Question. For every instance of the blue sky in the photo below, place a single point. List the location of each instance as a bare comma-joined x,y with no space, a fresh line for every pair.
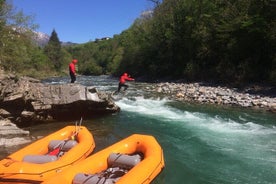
80,21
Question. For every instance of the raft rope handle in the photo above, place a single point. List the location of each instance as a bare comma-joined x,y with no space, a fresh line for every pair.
11,161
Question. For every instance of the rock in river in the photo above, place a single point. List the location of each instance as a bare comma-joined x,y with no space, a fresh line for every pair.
26,100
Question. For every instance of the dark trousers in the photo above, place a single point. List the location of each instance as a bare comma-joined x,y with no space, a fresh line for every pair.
73,77
122,85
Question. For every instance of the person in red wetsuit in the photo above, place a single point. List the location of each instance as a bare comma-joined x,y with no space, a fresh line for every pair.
123,80
72,70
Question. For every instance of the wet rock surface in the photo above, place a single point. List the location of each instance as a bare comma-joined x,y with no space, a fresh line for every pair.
24,100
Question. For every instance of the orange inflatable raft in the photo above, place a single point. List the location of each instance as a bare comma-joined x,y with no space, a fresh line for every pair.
136,159
47,156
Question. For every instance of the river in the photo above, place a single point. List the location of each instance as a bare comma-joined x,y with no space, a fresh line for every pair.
201,143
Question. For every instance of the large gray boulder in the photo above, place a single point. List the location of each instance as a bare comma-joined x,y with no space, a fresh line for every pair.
26,100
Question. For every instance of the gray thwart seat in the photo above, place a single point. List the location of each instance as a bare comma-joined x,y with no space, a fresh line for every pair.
119,164
40,159
64,145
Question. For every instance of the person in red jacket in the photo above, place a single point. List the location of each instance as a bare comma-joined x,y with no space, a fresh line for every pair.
125,77
72,70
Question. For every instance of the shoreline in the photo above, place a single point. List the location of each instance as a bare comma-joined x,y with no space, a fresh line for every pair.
254,97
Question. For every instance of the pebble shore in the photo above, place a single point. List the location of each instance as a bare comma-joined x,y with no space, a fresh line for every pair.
200,93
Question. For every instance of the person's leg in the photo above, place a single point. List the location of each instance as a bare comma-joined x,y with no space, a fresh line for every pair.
119,87
73,77
125,86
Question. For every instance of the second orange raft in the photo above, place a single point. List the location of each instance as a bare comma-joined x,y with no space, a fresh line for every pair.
137,159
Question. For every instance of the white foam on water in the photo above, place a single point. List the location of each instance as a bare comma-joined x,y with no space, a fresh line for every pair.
219,124
223,134
158,108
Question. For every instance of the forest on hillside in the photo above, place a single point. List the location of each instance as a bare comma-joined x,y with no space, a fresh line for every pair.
231,41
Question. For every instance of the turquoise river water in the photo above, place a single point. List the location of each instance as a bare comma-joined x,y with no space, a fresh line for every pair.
201,143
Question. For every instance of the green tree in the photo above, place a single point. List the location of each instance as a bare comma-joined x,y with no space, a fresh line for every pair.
210,40
53,51
229,41
15,38
2,10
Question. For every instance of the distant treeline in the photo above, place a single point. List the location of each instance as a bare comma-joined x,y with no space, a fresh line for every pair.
222,41
196,40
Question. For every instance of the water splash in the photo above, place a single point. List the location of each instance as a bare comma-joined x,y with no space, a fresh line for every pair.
159,108
244,139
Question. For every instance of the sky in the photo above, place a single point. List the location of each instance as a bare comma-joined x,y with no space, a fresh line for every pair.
81,21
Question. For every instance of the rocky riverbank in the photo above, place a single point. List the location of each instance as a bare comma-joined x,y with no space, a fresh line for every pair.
201,93
26,100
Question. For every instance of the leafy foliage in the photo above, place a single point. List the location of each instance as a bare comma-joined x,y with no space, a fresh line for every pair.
18,53
53,51
95,58
211,40
223,41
